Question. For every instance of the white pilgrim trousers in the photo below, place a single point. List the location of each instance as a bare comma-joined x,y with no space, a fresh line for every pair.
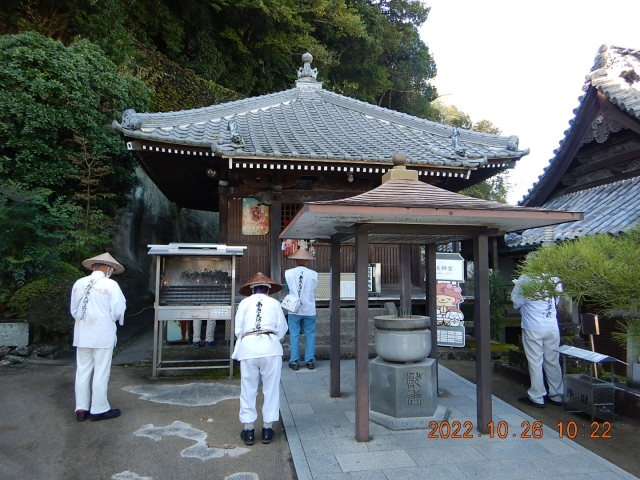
251,370
538,347
197,329
90,396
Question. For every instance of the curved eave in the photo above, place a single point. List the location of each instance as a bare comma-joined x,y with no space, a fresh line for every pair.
320,220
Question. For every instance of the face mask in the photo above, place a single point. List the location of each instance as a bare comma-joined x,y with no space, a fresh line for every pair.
109,272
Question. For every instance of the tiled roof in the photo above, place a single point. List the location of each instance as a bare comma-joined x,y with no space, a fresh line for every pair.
308,122
615,74
611,208
415,194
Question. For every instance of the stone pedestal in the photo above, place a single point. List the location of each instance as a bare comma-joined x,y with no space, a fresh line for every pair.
404,396
14,334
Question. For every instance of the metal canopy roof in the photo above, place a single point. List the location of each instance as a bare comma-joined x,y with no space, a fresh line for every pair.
410,211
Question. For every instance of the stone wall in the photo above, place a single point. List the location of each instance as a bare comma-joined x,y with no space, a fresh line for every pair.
152,219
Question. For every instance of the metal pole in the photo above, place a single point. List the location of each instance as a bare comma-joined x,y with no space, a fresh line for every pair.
156,304
405,279
232,333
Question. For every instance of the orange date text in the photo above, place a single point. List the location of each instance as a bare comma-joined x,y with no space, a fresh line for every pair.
527,430
575,429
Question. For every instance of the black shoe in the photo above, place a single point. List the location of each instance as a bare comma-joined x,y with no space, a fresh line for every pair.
555,402
196,345
528,401
267,435
82,415
294,365
247,436
108,415
311,365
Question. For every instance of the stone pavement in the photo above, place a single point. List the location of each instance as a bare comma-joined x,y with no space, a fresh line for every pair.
321,430
187,427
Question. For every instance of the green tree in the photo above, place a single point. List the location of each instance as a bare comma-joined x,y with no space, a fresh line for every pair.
51,92
390,65
596,270
494,189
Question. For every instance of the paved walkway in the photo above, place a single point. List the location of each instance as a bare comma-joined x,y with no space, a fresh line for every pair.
321,435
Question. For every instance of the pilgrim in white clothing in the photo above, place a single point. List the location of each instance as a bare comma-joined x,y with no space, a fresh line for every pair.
302,283
97,303
259,327
540,336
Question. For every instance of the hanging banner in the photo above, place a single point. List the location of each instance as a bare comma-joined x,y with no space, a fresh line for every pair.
255,218
450,319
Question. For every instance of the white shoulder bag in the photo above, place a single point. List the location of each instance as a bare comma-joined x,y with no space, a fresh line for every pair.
292,303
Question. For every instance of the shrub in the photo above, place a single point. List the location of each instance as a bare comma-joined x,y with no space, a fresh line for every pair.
44,303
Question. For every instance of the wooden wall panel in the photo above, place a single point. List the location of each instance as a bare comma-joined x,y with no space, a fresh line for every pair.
387,255
257,255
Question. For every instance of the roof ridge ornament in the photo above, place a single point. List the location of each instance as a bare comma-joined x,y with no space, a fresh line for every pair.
130,119
458,149
512,144
235,142
306,70
307,81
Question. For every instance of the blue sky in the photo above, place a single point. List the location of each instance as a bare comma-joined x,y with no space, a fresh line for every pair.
521,64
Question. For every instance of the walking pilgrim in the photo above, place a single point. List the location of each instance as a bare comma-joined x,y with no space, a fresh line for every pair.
97,303
260,325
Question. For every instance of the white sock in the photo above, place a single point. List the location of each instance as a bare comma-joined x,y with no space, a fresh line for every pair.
267,425
248,426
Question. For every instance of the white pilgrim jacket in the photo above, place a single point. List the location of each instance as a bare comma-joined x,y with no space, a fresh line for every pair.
105,306
537,315
307,285
259,312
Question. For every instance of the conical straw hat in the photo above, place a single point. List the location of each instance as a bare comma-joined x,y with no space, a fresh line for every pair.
104,259
301,254
260,279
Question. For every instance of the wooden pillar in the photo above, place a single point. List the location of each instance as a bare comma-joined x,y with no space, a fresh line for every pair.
405,278
275,222
481,328
494,254
223,215
431,300
362,335
334,325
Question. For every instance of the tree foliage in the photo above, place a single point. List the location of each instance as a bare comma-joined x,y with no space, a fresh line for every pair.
49,93
367,49
389,65
596,269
